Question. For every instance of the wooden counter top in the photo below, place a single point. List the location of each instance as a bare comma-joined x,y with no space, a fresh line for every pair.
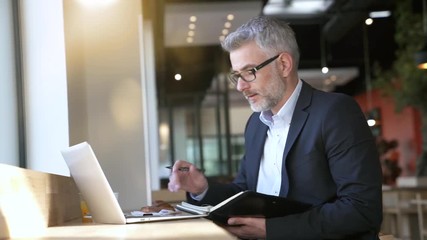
190,229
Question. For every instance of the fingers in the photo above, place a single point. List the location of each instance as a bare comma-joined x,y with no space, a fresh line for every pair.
185,176
181,165
176,179
174,183
247,228
236,221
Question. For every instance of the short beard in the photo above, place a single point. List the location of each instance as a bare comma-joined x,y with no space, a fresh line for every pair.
274,92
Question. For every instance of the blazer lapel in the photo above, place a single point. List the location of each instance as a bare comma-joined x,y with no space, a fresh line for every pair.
297,123
254,153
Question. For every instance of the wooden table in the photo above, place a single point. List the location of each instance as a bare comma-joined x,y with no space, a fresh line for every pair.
190,229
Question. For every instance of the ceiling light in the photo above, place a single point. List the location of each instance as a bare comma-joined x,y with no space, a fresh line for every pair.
178,77
96,3
380,14
323,60
227,26
371,122
369,21
276,7
310,6
191,33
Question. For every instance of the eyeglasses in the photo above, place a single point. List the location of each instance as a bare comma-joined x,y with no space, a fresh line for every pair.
249,75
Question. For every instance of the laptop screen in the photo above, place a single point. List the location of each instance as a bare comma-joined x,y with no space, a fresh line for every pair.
92,184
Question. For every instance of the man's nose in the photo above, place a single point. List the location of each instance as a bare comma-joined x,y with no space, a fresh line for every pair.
242,85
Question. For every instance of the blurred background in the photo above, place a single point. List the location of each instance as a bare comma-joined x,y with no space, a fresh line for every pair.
144,81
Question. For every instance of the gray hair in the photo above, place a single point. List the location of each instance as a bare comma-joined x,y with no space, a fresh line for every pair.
272,35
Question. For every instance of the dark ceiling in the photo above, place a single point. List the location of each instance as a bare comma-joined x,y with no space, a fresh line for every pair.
342,26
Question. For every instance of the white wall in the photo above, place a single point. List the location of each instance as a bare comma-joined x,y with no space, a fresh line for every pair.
106,102
149,101
45,85
8,107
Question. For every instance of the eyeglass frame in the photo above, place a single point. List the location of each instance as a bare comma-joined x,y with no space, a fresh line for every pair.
234,77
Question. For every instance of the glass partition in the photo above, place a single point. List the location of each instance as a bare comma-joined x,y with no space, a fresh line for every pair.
196,128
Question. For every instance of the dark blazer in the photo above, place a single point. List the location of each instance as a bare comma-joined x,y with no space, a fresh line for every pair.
330,160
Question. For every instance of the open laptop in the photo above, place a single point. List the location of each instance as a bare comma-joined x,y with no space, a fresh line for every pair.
97,192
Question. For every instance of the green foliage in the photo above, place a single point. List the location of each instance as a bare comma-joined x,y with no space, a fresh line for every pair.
404,81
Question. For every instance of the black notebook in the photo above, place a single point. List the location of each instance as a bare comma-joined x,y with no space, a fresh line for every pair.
247,204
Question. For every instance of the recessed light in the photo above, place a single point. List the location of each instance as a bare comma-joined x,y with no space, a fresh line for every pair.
369,21
227,24
192,26
178,77
325,70
191,33
193,19
221,38
224,31
230,17
190,39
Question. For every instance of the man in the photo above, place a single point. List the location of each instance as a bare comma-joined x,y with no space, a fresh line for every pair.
300,143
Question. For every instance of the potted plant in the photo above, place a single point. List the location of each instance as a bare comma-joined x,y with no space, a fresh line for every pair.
404,81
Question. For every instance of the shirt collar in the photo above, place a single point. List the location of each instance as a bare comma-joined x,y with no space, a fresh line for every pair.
285,113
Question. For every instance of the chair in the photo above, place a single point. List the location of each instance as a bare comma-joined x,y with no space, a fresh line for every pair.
421,209
398,211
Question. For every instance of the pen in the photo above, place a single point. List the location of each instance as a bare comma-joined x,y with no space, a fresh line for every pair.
182,169
185,169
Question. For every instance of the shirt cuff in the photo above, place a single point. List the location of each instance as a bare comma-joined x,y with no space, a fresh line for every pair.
200,196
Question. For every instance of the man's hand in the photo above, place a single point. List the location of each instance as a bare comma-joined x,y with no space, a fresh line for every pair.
185,176
247,228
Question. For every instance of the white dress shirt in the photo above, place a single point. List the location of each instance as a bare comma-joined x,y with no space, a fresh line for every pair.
270,171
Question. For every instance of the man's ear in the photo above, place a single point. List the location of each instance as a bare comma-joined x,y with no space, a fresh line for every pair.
286,64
